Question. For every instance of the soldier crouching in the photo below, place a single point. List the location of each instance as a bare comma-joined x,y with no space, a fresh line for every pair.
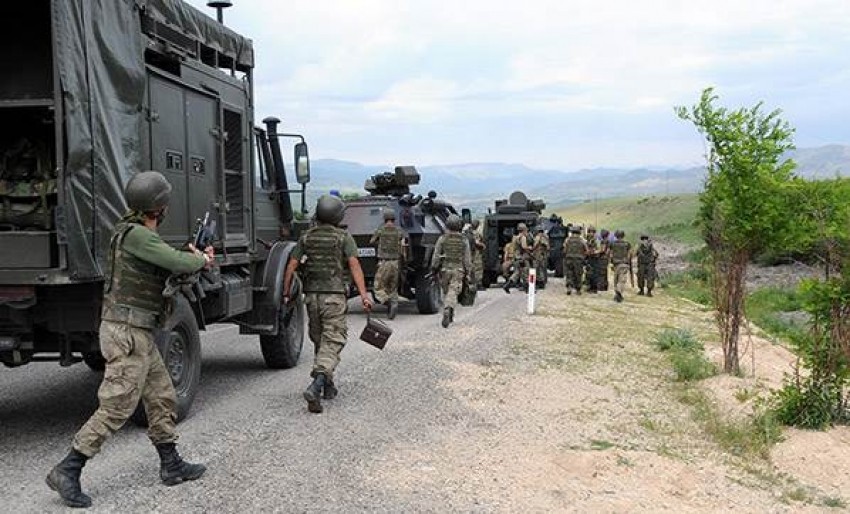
323,253
133,306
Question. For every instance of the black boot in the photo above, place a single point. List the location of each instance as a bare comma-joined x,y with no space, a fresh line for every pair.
447,317
64,478
649,293
507,286
393,309
640,292
313,394
618,296
330,391
173,469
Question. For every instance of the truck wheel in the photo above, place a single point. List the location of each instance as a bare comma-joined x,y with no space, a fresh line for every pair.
429,295
179,343
282,351
95,361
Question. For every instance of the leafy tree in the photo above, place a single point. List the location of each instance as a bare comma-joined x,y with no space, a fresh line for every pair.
743,208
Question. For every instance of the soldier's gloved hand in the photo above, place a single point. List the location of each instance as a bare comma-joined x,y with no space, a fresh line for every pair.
367,303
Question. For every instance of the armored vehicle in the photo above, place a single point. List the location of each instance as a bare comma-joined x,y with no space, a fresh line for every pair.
100,91
423,219
500,227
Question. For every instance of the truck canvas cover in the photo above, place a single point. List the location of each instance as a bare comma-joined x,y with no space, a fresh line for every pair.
99,47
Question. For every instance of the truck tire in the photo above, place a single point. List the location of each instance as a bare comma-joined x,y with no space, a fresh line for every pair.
281,351
429,295
179,343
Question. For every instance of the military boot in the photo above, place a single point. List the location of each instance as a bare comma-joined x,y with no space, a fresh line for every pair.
649,293
640,292
313,394
448,314
507,286
64,478
618,297
393,309
330,391
173,469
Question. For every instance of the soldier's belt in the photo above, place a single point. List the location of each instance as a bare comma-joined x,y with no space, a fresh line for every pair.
132,316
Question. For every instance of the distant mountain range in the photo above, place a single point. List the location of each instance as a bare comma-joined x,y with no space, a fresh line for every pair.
478,185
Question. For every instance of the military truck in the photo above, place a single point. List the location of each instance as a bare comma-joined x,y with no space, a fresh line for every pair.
101,91
423,219
501,225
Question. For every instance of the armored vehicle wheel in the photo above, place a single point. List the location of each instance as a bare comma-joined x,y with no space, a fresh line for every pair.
179,344
429,295
95,361
282,351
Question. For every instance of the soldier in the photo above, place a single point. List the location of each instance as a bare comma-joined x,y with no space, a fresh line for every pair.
646,257
591,262
541,255
523,245
508,260
391,247
133,306
452,260
324,253
478,255
574,252
621,260
602,260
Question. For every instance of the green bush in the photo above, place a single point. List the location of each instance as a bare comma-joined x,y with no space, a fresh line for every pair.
686,354
805,405
677,338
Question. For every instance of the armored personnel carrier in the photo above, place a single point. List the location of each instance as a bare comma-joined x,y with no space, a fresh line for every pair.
500,226
101,91
423,219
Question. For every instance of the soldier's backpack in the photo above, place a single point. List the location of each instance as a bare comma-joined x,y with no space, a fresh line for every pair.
27,186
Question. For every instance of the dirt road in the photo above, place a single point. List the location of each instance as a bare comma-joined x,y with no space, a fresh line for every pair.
569,411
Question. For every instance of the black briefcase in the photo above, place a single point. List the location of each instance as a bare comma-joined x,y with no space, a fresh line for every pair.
376,333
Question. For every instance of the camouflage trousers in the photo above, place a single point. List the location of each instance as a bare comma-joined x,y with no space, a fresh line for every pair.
621,276
478,268
328,329
573,269
134,371
386,281
591,273
602,273
646,276
540,264
520,274
452,282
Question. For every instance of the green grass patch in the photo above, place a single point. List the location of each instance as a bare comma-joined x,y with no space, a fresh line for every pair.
765,306
686,354
598,444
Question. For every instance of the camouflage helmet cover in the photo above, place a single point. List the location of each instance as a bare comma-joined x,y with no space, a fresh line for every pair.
147,191
389,214
330,209
454,222
521,227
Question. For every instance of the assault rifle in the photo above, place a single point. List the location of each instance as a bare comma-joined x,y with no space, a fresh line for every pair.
204,233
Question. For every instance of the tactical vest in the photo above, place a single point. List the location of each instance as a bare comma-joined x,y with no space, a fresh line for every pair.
574,247
645,252
542,246
389,243
132,283
322,267
620,251
453,250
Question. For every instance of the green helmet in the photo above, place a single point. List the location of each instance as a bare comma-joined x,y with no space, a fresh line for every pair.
453,222
389,214
147,191
330,209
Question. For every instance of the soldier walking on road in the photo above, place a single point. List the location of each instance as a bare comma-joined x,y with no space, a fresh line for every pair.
391,248
478,255
133,306
621,259
508,261
323,253
646,258
452,259
523,244
541,256
574,252
591,261
602,260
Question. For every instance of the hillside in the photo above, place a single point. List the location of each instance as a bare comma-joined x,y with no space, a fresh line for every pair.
661,216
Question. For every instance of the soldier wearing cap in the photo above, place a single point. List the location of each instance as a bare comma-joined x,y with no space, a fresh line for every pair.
323,254
574,252
452,259
391,245
523,245
621,260
602,260
647,255
133,306
591,260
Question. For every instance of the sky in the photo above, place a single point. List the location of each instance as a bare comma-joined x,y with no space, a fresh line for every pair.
555,84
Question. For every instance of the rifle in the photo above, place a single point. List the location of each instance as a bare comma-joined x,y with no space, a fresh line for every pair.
204,233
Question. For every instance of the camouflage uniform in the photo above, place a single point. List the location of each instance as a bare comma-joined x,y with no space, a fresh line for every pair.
323,252
602,262
140,262
591,262
478,258
541,256
646,273
523,245
574,251
507,259
390,240
621,259
452,258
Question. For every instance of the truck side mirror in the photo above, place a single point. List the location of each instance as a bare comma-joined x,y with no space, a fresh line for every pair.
466,215
302,163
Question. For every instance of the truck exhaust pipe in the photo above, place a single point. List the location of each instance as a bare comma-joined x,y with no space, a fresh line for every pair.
281,184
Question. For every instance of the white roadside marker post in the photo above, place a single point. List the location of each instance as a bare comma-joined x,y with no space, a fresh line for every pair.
532,279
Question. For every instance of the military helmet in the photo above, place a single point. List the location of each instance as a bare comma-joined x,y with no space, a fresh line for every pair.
591,228
389,214
619,234
147,191
453,222
521,227
330,209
